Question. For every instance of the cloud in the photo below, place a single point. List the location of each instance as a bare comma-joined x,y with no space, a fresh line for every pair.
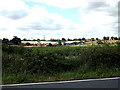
40,19
97,5
97,18
14,14
13,9
108,7
110,10
40,26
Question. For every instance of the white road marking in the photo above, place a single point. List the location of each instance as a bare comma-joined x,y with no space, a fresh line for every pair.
60,82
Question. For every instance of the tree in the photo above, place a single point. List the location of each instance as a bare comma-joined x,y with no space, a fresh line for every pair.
5,40
99,41
24,39
59,42
75,39
69,39
104,38
96,38
50,44
79,39
112,38
83,38
75,43
115,38
53,40
38,40
63,39
34,40
28,44
16,40
107,38
92,39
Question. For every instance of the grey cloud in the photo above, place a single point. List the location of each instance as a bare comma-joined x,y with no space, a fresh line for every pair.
113,26
96,5
14,14
113,12
102,7
40,26
23,28
46,24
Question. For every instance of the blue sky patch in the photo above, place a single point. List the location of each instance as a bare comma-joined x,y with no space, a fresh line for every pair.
72,14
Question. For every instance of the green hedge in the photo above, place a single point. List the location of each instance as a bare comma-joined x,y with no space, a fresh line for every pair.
49,60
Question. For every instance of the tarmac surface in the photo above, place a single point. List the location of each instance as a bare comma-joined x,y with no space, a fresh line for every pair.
89,83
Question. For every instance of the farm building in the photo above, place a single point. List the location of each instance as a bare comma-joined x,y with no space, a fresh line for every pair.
74,43
49,43
43,43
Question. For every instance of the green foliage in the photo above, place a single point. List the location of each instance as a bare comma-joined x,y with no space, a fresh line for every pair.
80,73
16,40
104,38
99,41
92,39
59,42
63,39
83,38
99,57
27,43
5,41
112,38
53,60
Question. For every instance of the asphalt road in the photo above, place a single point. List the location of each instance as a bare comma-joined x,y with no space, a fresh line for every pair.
90,83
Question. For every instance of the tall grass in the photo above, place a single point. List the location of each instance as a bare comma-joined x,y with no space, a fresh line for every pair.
52,61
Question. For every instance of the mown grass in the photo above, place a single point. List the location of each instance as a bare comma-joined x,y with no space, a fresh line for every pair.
25,65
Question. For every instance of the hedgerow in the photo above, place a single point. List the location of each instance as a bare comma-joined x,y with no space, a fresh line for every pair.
49,60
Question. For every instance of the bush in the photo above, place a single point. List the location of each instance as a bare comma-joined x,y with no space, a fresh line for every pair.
101,57
51,60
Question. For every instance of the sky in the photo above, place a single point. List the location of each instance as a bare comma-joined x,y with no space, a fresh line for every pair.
58,19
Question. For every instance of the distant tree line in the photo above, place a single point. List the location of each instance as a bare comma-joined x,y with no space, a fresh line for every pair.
112,38
17,41
14,41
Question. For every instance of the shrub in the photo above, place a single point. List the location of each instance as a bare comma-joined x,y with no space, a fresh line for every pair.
51,60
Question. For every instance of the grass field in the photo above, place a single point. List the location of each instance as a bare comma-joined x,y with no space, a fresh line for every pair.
36,64
107,41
